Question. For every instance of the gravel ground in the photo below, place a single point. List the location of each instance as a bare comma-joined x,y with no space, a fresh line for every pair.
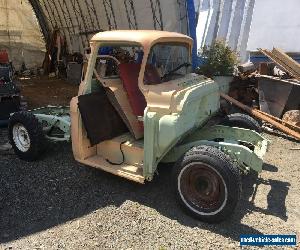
57,203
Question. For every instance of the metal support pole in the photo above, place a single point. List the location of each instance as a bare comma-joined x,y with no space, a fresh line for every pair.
157,14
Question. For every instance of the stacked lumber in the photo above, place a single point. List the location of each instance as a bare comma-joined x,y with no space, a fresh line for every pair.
284,61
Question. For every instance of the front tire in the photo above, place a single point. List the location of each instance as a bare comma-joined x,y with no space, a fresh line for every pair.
207,184
26,136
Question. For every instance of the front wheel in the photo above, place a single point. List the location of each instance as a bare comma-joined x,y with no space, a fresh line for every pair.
207,184
26,136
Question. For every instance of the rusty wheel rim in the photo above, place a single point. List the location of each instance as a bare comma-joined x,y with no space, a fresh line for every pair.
202,188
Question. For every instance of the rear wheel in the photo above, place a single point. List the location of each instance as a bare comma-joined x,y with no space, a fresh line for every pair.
242,121
26,136
207,184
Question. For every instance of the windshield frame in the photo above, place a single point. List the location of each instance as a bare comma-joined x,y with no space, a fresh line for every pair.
95,46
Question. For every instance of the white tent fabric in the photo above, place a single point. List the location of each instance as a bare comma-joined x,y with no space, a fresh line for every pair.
20,34
78,20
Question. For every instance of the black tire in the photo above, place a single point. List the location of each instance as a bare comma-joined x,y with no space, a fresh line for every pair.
241,121
207,184
32,131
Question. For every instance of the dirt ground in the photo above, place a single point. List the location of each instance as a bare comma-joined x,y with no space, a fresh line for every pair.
43,91
56,203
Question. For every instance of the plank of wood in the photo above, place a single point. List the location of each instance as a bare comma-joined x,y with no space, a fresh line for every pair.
287,60
283,61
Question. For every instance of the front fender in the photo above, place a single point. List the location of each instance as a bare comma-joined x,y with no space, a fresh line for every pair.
232,141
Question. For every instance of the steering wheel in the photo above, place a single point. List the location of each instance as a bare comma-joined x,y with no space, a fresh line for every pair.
105,57
110,57
186,64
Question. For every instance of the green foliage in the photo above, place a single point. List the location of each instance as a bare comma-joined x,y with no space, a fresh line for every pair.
220,60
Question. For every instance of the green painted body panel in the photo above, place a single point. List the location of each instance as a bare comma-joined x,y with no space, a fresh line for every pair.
168,135
162,130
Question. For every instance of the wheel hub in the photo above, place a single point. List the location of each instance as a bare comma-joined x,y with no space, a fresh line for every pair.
202,187
21,137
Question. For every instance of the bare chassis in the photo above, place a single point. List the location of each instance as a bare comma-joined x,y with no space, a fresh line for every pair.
53,119
58,117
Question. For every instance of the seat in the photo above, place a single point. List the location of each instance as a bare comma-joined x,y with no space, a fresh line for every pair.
129,73
151,76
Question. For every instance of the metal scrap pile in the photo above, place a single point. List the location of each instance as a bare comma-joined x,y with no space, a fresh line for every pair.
270,91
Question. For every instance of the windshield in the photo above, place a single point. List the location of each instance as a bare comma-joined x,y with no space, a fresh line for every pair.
171,61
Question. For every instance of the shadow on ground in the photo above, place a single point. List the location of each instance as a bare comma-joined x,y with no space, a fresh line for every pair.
40,195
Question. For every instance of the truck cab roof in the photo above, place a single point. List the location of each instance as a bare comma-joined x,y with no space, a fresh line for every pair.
142,37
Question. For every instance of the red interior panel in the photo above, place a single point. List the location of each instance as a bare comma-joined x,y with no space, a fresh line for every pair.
129,73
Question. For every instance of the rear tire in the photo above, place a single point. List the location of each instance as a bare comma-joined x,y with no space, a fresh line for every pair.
207,184
241,121
26,136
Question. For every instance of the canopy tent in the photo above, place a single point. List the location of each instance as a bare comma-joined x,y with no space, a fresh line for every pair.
20,34
79,20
